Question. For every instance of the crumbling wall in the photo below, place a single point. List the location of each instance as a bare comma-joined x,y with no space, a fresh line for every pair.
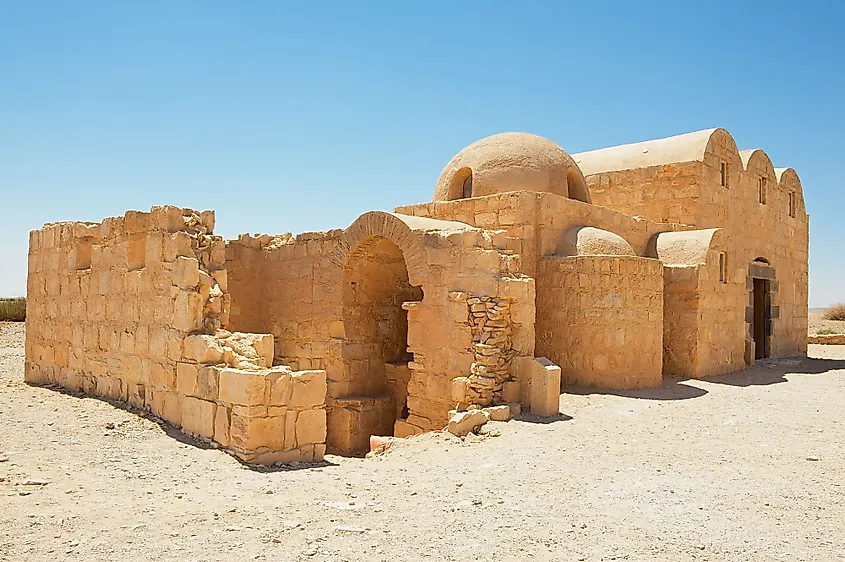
115,310
294,293
601,320
338,300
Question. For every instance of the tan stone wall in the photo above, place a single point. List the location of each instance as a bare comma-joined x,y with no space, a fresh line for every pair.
681,309
319,321
294,293
131,310
668,193
243,265
691,193
600,319
534,222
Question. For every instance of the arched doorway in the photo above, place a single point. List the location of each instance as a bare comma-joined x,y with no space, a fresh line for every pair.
375,348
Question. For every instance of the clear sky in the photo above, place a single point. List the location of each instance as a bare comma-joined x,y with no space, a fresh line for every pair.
300,116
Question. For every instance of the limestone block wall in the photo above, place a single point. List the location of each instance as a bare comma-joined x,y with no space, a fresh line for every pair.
666,193
755,225
383,307
131,309
681,310
534,222
600,319
289,287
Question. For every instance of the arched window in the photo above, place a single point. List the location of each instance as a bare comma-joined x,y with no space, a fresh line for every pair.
576,187
467,186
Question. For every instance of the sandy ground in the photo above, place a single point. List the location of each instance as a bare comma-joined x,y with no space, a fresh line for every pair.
749,466
816,322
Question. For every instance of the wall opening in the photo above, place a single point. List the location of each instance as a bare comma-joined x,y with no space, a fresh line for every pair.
576,186
375,348
461,185
723,267
467,186
761,319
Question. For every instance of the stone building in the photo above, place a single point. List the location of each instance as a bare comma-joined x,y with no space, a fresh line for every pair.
530,271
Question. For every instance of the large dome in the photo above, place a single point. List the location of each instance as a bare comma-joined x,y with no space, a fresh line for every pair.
511,162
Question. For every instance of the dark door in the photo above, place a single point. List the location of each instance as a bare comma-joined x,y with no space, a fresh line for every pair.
760,347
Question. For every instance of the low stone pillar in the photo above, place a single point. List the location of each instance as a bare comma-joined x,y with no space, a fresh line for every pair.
545,387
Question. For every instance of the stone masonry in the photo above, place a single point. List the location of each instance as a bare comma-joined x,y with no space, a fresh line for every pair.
530,272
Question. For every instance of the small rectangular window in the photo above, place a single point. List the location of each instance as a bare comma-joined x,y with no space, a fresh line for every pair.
791,203
761,188
723,267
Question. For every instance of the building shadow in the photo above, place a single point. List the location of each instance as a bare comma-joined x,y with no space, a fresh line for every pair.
175,433
531,418
672,389
774,371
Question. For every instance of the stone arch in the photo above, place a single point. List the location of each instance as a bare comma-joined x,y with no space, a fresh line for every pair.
393,227
460,181
381,257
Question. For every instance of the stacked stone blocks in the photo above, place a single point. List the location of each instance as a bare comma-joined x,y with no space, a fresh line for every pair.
132,310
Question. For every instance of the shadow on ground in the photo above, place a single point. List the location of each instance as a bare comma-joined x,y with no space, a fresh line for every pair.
774,371
672,389
530,418
765,372
176,434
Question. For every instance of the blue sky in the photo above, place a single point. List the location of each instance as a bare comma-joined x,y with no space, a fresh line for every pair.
300,116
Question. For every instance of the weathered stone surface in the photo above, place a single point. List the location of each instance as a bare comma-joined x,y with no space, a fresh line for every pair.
311,427
498,413
463,422
693,263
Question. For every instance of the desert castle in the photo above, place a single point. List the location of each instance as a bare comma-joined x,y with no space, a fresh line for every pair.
530,271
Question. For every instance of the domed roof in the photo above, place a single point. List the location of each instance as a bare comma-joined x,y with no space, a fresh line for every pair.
511,162
589,241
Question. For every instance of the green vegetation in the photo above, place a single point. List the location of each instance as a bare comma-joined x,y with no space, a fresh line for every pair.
835,312
827,332
13,310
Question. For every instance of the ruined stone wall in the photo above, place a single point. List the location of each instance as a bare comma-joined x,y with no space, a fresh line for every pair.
453,265
131,309
321,292
296,295
244,262
601,320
